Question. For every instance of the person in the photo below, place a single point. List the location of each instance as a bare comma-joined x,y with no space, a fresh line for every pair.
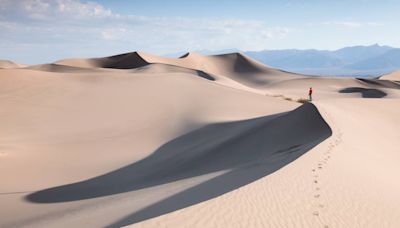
310,92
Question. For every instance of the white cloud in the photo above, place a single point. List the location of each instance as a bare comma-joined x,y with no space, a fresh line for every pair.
374,24
350,24
49,9
90,27
113,33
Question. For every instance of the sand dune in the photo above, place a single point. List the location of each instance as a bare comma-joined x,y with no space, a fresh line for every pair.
5,64
188,156
394,76
345,181
119,118
235,66
196,141
229,67
122,61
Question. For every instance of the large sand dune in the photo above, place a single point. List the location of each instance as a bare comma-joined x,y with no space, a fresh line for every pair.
197,141
235,66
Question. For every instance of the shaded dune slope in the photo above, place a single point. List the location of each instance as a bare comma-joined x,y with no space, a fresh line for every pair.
123,61
246,150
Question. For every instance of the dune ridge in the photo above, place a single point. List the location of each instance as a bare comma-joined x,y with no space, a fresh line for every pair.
235,66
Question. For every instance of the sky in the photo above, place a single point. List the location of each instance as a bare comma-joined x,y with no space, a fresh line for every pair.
40,31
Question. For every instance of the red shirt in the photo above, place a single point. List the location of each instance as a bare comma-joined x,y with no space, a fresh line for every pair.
310,92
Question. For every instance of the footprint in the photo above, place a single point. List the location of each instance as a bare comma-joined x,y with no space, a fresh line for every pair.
316,213
315,181
317,196
321,205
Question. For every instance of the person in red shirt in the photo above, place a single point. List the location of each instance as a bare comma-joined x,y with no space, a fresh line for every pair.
310,92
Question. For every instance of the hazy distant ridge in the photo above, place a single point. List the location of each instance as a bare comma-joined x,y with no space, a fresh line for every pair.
359,60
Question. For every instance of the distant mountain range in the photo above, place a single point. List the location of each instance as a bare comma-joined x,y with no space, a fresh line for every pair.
371,60
365,61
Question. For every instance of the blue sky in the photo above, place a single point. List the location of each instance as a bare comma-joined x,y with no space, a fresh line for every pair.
37,31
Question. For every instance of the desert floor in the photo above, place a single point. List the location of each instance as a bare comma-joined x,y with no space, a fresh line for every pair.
196,141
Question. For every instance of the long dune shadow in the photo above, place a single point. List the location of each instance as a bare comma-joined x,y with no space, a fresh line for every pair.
365,92
215,187
247,150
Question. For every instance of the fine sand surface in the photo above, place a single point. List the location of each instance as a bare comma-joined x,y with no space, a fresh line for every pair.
198,141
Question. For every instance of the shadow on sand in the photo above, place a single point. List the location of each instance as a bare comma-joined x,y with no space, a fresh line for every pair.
365,92
247,150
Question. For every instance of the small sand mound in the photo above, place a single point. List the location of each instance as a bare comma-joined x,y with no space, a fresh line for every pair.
6,64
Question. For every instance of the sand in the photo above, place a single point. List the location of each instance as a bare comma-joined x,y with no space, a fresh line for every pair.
394,76
198,141
6,64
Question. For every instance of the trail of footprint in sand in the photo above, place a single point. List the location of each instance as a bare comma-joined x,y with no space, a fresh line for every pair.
326,156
